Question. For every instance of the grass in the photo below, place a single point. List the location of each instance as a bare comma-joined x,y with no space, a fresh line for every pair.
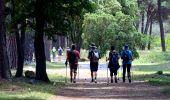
21,89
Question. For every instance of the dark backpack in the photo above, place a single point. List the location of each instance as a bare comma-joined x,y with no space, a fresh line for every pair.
72,57
115,58
125,56
95,56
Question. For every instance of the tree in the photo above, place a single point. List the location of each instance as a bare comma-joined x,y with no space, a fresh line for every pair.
107,28
161,26
4,63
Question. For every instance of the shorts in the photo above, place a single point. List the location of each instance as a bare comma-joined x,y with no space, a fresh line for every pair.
94,66
74,66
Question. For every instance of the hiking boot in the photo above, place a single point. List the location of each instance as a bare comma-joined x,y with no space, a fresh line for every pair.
111,81
95,81
129,80
74,81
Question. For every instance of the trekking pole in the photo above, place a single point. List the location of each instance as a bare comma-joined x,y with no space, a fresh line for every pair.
107,72
66,72
78,72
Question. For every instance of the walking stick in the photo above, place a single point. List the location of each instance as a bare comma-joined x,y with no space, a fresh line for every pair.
107,72
66,72
78,72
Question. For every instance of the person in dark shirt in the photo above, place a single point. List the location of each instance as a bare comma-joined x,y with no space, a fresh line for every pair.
94,57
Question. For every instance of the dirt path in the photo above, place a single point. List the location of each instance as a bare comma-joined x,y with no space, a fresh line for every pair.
84,90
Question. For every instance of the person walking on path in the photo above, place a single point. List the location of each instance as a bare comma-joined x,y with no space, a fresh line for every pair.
72,57
113,63
126,56
94,57
54,53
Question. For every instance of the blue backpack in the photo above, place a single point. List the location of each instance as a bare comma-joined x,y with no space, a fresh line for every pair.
115,58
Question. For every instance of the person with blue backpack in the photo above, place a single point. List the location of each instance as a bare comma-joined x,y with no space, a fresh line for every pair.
126,56
94,57
113,63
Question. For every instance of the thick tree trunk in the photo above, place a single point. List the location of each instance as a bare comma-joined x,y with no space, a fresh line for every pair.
48,46
20,50
5,71
39,42
161,26
12,50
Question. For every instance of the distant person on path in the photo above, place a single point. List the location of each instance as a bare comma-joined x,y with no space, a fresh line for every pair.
113,63
60,51
94,57
126,56
54,53
72,57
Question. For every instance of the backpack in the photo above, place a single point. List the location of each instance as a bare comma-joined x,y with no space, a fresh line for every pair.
115,58
125,56
72,57
95,56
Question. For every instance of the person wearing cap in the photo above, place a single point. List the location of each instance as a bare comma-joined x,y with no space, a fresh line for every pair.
94,57
126,57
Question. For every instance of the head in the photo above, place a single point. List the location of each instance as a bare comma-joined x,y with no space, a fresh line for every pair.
93,46
112,47
126,47
73,46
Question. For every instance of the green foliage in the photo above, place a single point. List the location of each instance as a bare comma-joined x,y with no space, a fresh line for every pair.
113,24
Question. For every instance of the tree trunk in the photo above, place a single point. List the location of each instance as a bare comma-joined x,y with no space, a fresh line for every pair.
142,23
5,71
161,26
150,33
48,46
20,50
39,42
12,50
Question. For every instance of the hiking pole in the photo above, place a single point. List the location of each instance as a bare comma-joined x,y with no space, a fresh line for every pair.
78,72
66,72
107,72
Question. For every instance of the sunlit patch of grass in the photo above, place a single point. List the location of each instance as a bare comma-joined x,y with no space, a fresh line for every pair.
20,89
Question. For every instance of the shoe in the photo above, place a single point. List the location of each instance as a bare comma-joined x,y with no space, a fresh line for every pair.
129,80
92,81
95,81
111,80
74,81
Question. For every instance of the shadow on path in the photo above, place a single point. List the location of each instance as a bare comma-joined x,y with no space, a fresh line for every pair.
84,90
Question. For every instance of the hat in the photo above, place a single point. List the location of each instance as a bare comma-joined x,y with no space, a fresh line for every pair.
92,45
126,46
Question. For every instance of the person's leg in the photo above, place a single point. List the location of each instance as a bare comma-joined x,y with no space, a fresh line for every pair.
91,70
129,72
115,75
111,75
95,71
75,72
124,72
71,73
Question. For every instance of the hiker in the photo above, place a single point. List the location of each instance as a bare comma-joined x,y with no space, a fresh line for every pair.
113,63
126,56
54,53
94,57
60,51
72,57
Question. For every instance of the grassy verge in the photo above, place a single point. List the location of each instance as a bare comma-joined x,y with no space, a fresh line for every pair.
21,89
149,73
